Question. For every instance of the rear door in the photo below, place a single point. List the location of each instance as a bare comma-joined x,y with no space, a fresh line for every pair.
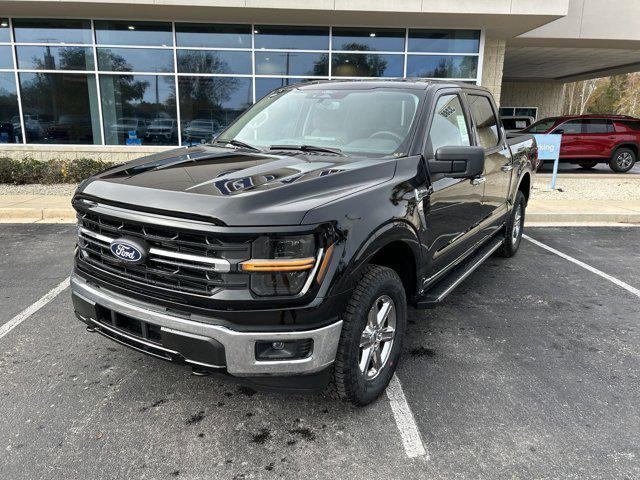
454,207
598,137
498,161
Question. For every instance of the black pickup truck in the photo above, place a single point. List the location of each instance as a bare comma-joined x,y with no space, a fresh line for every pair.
286,252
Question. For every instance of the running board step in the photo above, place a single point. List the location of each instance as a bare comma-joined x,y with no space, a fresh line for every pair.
444,287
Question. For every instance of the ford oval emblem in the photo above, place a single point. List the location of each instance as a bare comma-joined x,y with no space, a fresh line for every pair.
128,250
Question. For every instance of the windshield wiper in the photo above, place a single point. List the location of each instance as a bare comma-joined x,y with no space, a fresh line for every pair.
238,143
307,148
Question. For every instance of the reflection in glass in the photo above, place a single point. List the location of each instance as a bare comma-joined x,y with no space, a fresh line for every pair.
444,41
135,60
442,66
60,108
266,85
214,61
209,104
122,32
133,107
380,39
292,63
213,36
54,58
366,65
5,34
52,31
10,128
6,57
288,38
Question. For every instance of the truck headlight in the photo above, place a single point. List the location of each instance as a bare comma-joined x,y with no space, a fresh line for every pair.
281,265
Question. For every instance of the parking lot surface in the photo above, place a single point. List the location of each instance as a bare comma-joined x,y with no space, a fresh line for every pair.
528,370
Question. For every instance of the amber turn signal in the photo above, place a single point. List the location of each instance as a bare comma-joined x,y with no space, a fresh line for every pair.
283,265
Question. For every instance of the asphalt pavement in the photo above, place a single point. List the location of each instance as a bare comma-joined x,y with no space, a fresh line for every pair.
528,370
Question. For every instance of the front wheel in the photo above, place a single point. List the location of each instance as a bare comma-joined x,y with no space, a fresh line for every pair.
373,327
514,227
622,160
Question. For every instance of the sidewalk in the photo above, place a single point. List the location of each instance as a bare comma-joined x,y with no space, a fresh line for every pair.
540,212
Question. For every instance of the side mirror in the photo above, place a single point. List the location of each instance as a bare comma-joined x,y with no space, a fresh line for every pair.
558,131
458,162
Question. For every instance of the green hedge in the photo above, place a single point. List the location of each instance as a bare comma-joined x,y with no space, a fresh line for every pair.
30,170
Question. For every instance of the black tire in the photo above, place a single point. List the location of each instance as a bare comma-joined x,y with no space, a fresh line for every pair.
588,165
622,160
349,383
513,237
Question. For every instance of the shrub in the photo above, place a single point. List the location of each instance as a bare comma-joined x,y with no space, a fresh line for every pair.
29,170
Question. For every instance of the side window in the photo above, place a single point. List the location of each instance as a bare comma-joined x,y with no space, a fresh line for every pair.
597,125
574,127
449,127
485,121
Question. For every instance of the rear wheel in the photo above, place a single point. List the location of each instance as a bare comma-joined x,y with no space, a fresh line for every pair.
373,327
588,165
514,227
622,160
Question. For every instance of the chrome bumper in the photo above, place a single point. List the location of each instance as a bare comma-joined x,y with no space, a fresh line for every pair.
239,346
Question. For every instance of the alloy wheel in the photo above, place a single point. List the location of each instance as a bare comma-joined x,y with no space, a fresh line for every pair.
377,337
624,160
517,225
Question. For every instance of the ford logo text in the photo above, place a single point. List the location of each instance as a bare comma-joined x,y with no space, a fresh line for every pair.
127,251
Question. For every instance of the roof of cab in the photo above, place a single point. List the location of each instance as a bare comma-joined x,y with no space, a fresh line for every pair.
409,83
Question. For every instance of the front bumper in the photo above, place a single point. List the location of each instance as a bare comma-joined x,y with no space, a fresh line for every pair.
202,345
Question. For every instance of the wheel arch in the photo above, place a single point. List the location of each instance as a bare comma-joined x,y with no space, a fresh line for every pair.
630,145
394,245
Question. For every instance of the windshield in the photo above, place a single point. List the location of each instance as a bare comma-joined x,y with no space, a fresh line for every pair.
127,121
542,126
373,122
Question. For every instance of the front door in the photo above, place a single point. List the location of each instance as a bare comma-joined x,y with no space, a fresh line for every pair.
454,205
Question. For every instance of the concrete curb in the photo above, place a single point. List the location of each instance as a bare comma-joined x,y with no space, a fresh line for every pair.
40,215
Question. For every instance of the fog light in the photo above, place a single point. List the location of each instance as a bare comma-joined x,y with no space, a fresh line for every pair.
288,350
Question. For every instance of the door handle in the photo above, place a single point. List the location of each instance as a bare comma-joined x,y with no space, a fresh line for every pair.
506,168
478,180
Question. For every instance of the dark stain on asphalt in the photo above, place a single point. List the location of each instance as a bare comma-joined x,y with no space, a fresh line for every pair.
292,442
304,433
175,473
262,436
423,352
249,392
201,435
153,405
270,467
195,418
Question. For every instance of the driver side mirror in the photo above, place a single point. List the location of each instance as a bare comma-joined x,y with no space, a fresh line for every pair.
458,162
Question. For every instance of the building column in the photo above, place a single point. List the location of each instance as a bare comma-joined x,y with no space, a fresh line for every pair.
492,66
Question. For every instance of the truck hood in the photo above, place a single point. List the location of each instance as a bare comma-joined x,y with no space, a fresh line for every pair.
236,188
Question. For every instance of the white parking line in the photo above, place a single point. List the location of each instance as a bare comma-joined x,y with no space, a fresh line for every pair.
620,283
405,422
30,310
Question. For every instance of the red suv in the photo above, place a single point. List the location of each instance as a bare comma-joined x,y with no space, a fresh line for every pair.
591,139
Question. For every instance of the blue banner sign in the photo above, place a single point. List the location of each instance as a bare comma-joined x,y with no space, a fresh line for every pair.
549,149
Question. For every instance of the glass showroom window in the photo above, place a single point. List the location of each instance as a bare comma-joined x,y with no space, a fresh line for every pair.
460,49
60,108
209,104
133,71
351,57
137,109
10,128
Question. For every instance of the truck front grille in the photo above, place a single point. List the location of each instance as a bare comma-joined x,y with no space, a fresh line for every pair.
179,260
